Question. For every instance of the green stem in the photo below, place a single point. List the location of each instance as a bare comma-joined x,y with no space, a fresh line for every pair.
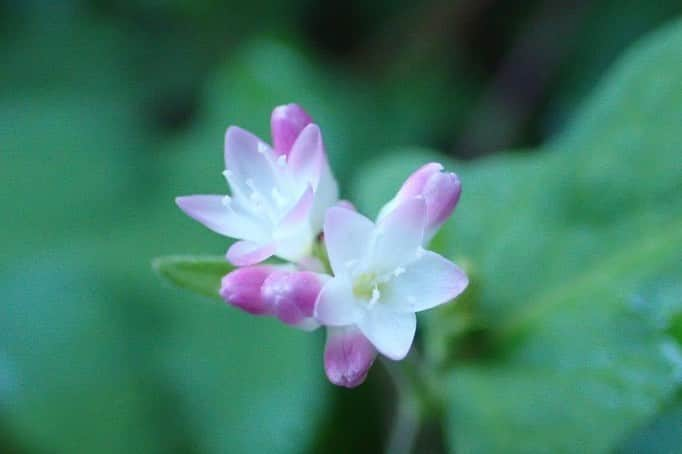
416,402
405,425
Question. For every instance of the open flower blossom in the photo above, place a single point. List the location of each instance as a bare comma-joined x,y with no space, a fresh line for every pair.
364,281
278,196
383,276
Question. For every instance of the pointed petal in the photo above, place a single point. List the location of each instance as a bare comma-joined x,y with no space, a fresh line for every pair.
347,235
250,161
427,282
299,212
244,253
293,234
348,355
295,246
326,195
441,193
399,236
391,332
307,156
286,123
336,306
216,213
415,183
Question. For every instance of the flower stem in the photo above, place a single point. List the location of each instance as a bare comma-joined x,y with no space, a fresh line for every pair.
404,432
405,425
416,403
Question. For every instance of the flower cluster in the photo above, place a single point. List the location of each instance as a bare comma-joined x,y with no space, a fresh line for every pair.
364,281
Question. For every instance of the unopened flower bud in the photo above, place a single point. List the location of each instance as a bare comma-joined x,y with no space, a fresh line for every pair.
440,190
291,296
242,288
287,122
348,355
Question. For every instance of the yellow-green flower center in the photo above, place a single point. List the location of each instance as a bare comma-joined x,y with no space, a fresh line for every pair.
364,286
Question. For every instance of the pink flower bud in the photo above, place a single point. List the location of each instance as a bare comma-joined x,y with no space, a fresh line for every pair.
440,190
441,193
286,123
242,288
291,296
348,355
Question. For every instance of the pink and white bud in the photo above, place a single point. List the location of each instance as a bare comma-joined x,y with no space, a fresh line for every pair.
348,355
242,288
287,122
440,190
291,296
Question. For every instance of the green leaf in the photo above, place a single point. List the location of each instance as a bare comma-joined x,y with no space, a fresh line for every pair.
576,254
662,435
201,274
122,364
71,381
585,364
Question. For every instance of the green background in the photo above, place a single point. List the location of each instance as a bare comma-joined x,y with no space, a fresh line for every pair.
568,339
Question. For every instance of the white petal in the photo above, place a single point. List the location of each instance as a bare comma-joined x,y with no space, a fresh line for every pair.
245,253
307,156
216,213
399,235
295,245
299,213
326,195
250,161
293,235
427,282
391,332
347,236
336,305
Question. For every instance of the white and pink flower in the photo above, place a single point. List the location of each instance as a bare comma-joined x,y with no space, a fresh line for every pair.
383,276
282,199
278,197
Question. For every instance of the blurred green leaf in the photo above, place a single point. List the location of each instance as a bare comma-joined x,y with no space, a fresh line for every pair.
596,46
586,366
577,254
663,435
122,365
71,386
95,355
71,131
201,274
